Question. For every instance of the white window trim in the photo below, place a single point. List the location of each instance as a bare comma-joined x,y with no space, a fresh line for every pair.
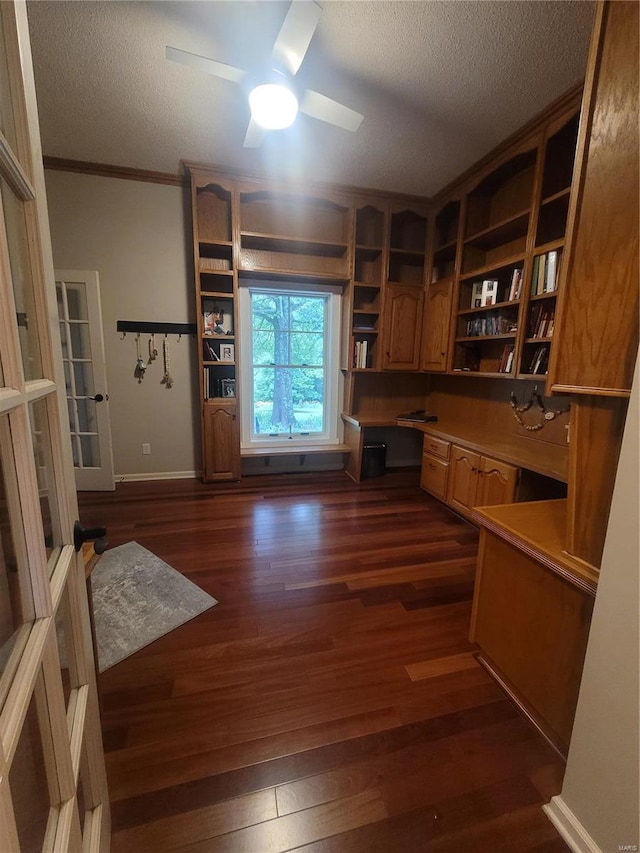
332,373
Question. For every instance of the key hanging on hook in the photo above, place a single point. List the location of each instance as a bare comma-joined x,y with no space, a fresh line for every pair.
140,364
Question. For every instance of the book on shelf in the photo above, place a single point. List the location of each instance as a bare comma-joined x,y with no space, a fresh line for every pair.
516,285
553,268
360,353
491,324
544,276
506,360
539,361
541,321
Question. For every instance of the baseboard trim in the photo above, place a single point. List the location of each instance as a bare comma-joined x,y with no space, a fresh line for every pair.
569,827
157,475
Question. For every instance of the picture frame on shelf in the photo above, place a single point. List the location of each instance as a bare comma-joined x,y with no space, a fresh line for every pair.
476,294
489,292
227,352
228,388
217,319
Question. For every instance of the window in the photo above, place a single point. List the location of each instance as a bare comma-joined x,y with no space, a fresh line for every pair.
289,370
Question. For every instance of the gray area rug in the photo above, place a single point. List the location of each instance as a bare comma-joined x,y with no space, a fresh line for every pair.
138,598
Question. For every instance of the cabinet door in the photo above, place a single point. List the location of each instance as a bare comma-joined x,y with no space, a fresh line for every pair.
463,479
496,483
435,335
221,442
402,327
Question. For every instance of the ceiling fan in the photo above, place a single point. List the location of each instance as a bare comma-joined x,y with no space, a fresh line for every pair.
273,100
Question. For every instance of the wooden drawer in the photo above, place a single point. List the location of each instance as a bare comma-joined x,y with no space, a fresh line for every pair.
436,447
434,475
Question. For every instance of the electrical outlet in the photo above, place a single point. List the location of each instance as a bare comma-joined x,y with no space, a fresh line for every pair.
146,449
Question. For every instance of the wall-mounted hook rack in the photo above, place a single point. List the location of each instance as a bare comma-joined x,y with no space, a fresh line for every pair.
144,327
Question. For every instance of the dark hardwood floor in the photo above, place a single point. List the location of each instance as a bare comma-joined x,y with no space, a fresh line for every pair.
330,702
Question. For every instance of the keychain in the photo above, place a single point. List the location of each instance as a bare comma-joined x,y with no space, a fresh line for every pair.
153,352
167,379
140,365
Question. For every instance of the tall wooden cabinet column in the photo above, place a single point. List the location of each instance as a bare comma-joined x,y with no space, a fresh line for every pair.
214,210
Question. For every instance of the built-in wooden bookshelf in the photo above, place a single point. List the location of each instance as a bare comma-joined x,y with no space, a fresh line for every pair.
506,233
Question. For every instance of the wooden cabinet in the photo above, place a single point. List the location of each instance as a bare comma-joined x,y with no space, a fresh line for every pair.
402,327
476,480
214,211
435,330
531,625
598,306
221,440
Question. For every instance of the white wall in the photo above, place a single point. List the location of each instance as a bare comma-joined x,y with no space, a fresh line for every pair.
138,237
598,806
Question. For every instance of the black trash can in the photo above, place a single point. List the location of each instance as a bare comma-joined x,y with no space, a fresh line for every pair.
374,458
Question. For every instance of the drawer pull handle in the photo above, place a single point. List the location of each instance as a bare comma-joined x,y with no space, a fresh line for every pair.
432,466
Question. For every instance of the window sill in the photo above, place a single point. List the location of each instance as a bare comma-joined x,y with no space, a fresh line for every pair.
299,450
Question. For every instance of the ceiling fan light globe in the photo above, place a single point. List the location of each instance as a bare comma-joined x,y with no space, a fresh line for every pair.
273,106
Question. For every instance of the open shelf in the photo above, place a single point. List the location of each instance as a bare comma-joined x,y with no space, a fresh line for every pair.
291,245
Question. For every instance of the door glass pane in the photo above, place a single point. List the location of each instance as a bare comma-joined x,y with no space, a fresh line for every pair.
28,783
41,441
16,602
90,451
7,121
65,648
80,347
76,293
83,788
22,281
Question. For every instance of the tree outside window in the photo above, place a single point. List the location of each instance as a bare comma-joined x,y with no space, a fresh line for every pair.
288,362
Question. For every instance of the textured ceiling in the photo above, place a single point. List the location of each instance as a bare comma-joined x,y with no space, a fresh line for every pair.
439,83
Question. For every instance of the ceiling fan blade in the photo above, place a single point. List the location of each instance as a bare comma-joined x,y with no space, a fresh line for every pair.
326,109
209,66
254,136
295,34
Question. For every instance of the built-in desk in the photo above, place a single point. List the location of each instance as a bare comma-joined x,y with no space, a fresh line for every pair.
549,460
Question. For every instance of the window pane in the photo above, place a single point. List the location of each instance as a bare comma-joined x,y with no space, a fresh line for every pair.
64,633
16,602
264,348
307,348
28,784
288,400
7,121
41,441
307,313
22,281
90,451
79,334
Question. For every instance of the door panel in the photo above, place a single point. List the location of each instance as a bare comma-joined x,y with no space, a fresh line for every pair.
463,478
40,570
437,317
497,483
402,326
80,315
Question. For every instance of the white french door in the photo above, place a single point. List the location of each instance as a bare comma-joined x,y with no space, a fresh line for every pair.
53,793
85,377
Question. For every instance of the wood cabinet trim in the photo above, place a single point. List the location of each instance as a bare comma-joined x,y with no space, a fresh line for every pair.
547,521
